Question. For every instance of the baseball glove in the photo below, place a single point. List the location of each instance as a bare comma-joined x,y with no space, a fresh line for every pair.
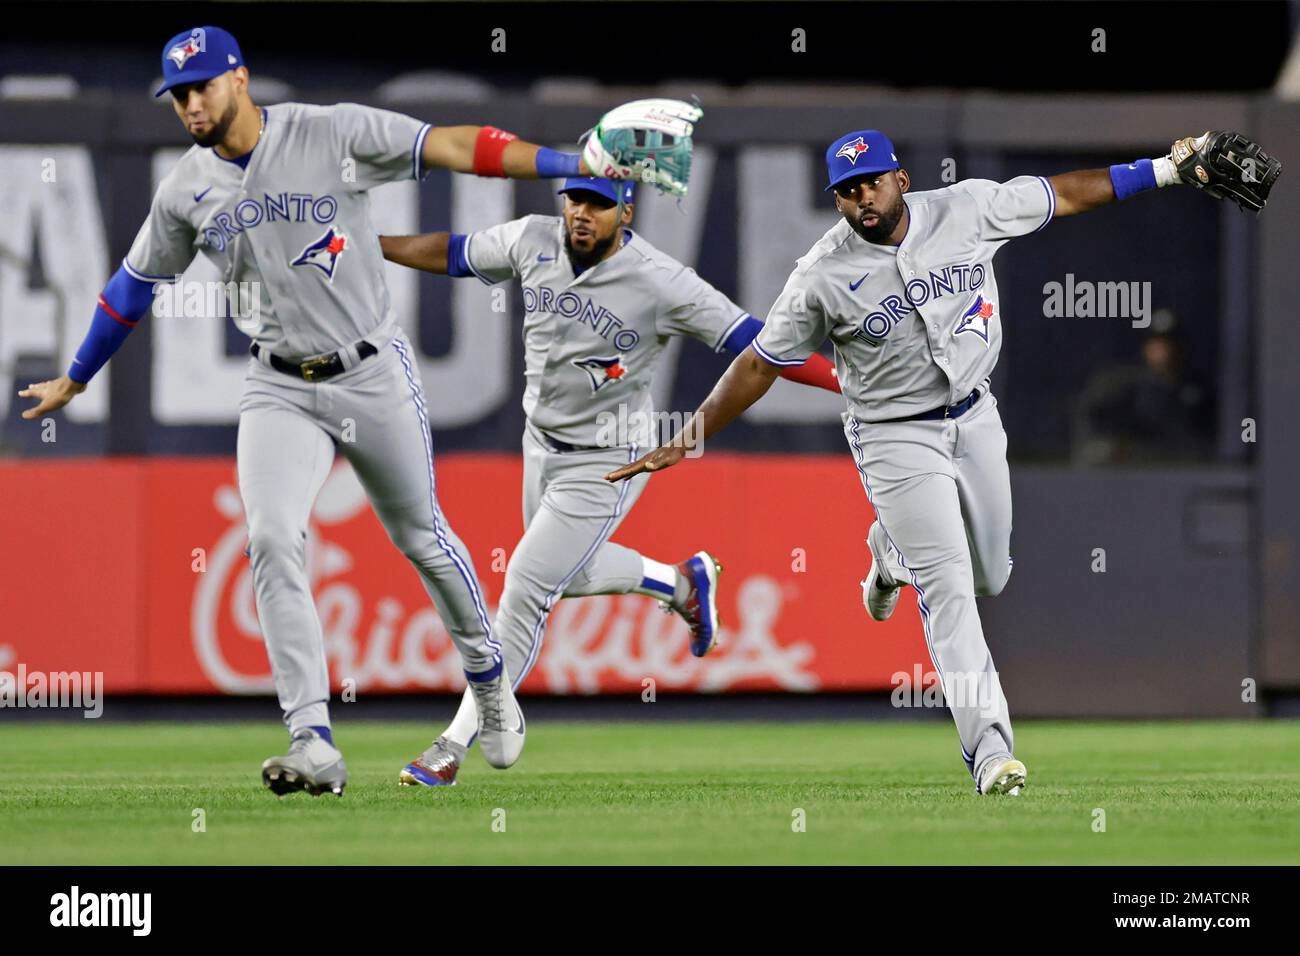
646,140
1227,166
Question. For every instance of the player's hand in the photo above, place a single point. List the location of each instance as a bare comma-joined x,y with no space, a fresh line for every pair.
53,395
657,460
646,140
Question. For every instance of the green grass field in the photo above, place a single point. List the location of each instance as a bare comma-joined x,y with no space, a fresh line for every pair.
880,792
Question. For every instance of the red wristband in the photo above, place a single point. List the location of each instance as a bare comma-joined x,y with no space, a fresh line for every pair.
489,150
817,372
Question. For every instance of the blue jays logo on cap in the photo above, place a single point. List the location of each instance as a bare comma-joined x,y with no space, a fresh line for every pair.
857,154
851,151
196,55
605,187
324,252
181,52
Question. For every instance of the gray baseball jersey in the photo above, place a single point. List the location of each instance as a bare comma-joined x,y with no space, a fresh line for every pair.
918,325
591,342
296,222
591,346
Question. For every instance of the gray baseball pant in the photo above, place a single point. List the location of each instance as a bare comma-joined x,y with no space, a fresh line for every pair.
942,492
570,512
374,413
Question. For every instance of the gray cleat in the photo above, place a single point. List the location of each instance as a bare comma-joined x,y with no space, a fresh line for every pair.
1002,773
312,764
500,721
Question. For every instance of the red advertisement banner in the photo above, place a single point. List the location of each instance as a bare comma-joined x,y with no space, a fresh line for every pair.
136,568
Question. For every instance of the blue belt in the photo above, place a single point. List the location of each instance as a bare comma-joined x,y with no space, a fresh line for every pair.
942,413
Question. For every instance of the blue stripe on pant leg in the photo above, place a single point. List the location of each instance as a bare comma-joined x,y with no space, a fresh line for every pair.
466,575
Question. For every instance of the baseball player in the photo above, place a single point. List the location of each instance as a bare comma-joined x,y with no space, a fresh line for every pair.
904,287
600,304
277,198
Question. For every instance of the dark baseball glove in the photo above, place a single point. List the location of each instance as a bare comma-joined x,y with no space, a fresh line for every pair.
1227,166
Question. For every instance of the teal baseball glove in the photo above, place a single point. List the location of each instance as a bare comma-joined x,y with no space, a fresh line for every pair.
645,140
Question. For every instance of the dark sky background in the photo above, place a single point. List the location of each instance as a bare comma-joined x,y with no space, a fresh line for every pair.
1195,46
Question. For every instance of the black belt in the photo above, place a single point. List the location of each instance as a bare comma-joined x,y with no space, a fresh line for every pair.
315,369
554,444
942,413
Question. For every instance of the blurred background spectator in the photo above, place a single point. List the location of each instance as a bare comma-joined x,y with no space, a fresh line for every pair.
1148,410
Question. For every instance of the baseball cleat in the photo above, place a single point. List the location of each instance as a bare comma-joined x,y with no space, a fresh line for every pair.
501,726
700,609
879,590
312,764
436,767
1002,774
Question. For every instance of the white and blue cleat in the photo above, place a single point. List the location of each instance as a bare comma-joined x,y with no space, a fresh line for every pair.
700,608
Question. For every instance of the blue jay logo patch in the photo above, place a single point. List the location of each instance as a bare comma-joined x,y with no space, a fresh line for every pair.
601,371
324,252
976,319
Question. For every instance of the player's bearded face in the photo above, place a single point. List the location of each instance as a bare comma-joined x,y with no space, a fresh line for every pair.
207,110
872,205
591,226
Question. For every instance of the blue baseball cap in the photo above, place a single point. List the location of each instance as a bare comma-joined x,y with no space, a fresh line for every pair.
858,153
606,187
196,55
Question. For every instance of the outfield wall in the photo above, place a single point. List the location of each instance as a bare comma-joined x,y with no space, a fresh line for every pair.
139,572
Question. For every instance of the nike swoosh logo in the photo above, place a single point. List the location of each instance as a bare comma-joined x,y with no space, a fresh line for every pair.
853,286
542,258
199,196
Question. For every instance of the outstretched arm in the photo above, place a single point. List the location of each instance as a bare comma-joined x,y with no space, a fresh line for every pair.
488,151
746,380
1224,165
646,139
426,252
1081,191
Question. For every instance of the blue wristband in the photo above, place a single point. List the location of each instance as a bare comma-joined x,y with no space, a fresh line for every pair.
552,164
457,263
1133,178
